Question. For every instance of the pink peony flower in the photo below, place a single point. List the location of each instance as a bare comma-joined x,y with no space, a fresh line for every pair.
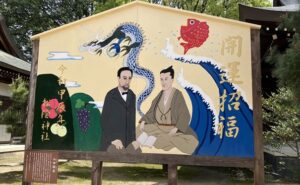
51,108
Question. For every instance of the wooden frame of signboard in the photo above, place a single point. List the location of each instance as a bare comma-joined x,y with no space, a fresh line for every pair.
256,164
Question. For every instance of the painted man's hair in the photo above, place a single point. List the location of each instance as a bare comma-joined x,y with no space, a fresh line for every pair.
169,69
123,69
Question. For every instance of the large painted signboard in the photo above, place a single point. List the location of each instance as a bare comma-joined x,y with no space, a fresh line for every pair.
121,82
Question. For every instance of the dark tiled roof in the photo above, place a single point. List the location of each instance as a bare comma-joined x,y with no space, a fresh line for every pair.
289,2
10,62
286,8
7,44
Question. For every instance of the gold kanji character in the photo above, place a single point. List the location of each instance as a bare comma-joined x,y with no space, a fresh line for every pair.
232,46
61,81
61,120
232,130
46,136
62,68
222,100
234,100
223,78
221,127
61,93
234,72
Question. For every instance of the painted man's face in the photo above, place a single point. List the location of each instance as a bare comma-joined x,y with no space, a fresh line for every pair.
125,79
166,81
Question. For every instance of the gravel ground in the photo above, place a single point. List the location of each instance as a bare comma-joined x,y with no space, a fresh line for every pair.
78,173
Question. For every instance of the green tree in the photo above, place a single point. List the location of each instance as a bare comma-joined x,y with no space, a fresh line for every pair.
103,5
287,63
15,115
222,8
283,119
29,17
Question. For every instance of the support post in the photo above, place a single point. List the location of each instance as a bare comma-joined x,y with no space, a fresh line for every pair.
172,174
257,109
97,172
31,101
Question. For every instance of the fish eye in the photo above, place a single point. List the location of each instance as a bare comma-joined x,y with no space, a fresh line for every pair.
192,22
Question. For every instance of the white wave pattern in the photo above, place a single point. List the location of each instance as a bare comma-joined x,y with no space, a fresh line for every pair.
196,89
168,52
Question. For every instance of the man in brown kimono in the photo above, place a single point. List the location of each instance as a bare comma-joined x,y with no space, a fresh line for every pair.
168,118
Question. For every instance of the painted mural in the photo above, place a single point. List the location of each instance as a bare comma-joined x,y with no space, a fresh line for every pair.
123,83
53,127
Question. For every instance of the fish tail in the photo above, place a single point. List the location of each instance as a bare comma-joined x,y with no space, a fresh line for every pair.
185,46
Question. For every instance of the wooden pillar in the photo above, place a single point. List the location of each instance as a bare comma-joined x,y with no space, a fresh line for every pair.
172,174
97,172
257,109
30,108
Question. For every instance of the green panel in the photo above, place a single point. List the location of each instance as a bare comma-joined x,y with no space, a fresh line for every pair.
48,89
87,133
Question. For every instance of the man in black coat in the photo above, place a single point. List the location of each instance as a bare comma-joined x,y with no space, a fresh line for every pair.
118,115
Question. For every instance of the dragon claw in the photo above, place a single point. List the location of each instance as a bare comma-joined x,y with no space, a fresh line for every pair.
126,49
94,42
127,39
99,51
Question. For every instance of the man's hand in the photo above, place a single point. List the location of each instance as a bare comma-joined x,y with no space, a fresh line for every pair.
118,144
173,131
136,144
142,126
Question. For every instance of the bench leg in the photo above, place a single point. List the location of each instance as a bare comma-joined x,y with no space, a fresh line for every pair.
172,174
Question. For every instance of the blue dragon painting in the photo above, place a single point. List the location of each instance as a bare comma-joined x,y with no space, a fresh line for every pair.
132,34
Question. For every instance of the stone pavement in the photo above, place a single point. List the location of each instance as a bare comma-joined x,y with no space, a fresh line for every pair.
6,148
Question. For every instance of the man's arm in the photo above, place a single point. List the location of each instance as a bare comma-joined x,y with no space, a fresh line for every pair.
184,114
134,117
149,117
105,113
108,137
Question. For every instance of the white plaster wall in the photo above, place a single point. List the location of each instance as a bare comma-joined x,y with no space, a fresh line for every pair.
4,136
5,90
